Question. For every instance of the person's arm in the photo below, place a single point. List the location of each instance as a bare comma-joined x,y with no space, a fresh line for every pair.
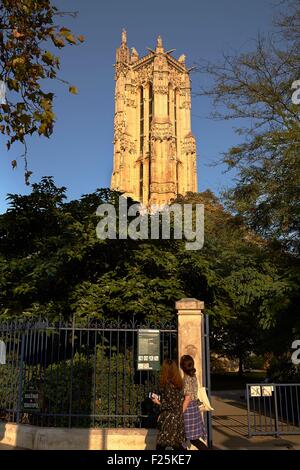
186,402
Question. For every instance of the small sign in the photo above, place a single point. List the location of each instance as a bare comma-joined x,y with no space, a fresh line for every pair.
31,399
267,390
148,350
255,391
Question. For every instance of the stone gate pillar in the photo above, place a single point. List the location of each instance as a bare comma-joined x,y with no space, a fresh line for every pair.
190,328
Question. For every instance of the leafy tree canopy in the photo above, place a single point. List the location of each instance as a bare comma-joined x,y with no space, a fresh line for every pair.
29,37
257,87
53,265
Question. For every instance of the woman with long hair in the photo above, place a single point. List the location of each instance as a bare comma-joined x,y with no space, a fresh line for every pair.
193,422
170,421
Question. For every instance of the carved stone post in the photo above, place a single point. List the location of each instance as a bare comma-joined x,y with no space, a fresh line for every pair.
190,337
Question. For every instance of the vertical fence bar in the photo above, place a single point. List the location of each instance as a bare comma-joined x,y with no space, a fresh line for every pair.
276,411
88,384
280,404
132,376
117,376
94,376
71,372
297,401
124,377
51,410
286,407
265,415
26,362
78,385
102,368
20,392
207,379
9,403
140,399
35,371
13,386
292,405
109,378
42,378
10,354
254,415
58,366
45,372
248,410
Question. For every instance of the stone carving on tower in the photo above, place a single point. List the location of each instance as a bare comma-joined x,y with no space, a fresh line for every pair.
154,148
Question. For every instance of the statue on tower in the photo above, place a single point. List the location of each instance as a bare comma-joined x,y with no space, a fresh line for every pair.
124,36
159,45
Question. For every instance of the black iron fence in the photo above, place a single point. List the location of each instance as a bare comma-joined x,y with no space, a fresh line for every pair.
273,409
79,376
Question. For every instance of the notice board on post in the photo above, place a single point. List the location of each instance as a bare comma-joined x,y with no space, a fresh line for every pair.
148,350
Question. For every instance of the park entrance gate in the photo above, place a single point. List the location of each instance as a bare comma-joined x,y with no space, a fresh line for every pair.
68,375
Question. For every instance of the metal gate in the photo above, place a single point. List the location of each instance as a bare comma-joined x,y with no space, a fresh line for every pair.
273,409
67,375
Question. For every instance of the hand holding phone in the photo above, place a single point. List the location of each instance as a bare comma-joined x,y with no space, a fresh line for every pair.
154,397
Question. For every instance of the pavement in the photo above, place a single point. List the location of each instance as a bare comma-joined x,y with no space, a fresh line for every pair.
230,426
5,447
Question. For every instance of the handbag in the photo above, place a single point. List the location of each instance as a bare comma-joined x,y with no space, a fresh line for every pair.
203,401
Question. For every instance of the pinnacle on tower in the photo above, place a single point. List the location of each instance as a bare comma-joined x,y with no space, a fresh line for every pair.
159,45
123,53
124,37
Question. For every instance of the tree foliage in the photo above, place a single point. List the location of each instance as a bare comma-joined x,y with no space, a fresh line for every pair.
53,265
256,87
29,37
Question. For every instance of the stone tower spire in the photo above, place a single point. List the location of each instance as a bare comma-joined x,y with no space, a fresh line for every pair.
123,54
154,148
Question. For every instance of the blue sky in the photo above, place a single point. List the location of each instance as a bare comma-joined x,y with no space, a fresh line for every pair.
79,154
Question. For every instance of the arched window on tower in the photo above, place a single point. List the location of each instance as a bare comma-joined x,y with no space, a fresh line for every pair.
151,105
169,99
141,181
151,112
175,111
141,120
176,92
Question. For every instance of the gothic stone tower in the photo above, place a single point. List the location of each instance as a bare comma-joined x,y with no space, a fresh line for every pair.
154,148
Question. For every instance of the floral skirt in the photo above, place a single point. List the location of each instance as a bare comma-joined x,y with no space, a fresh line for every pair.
170,427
